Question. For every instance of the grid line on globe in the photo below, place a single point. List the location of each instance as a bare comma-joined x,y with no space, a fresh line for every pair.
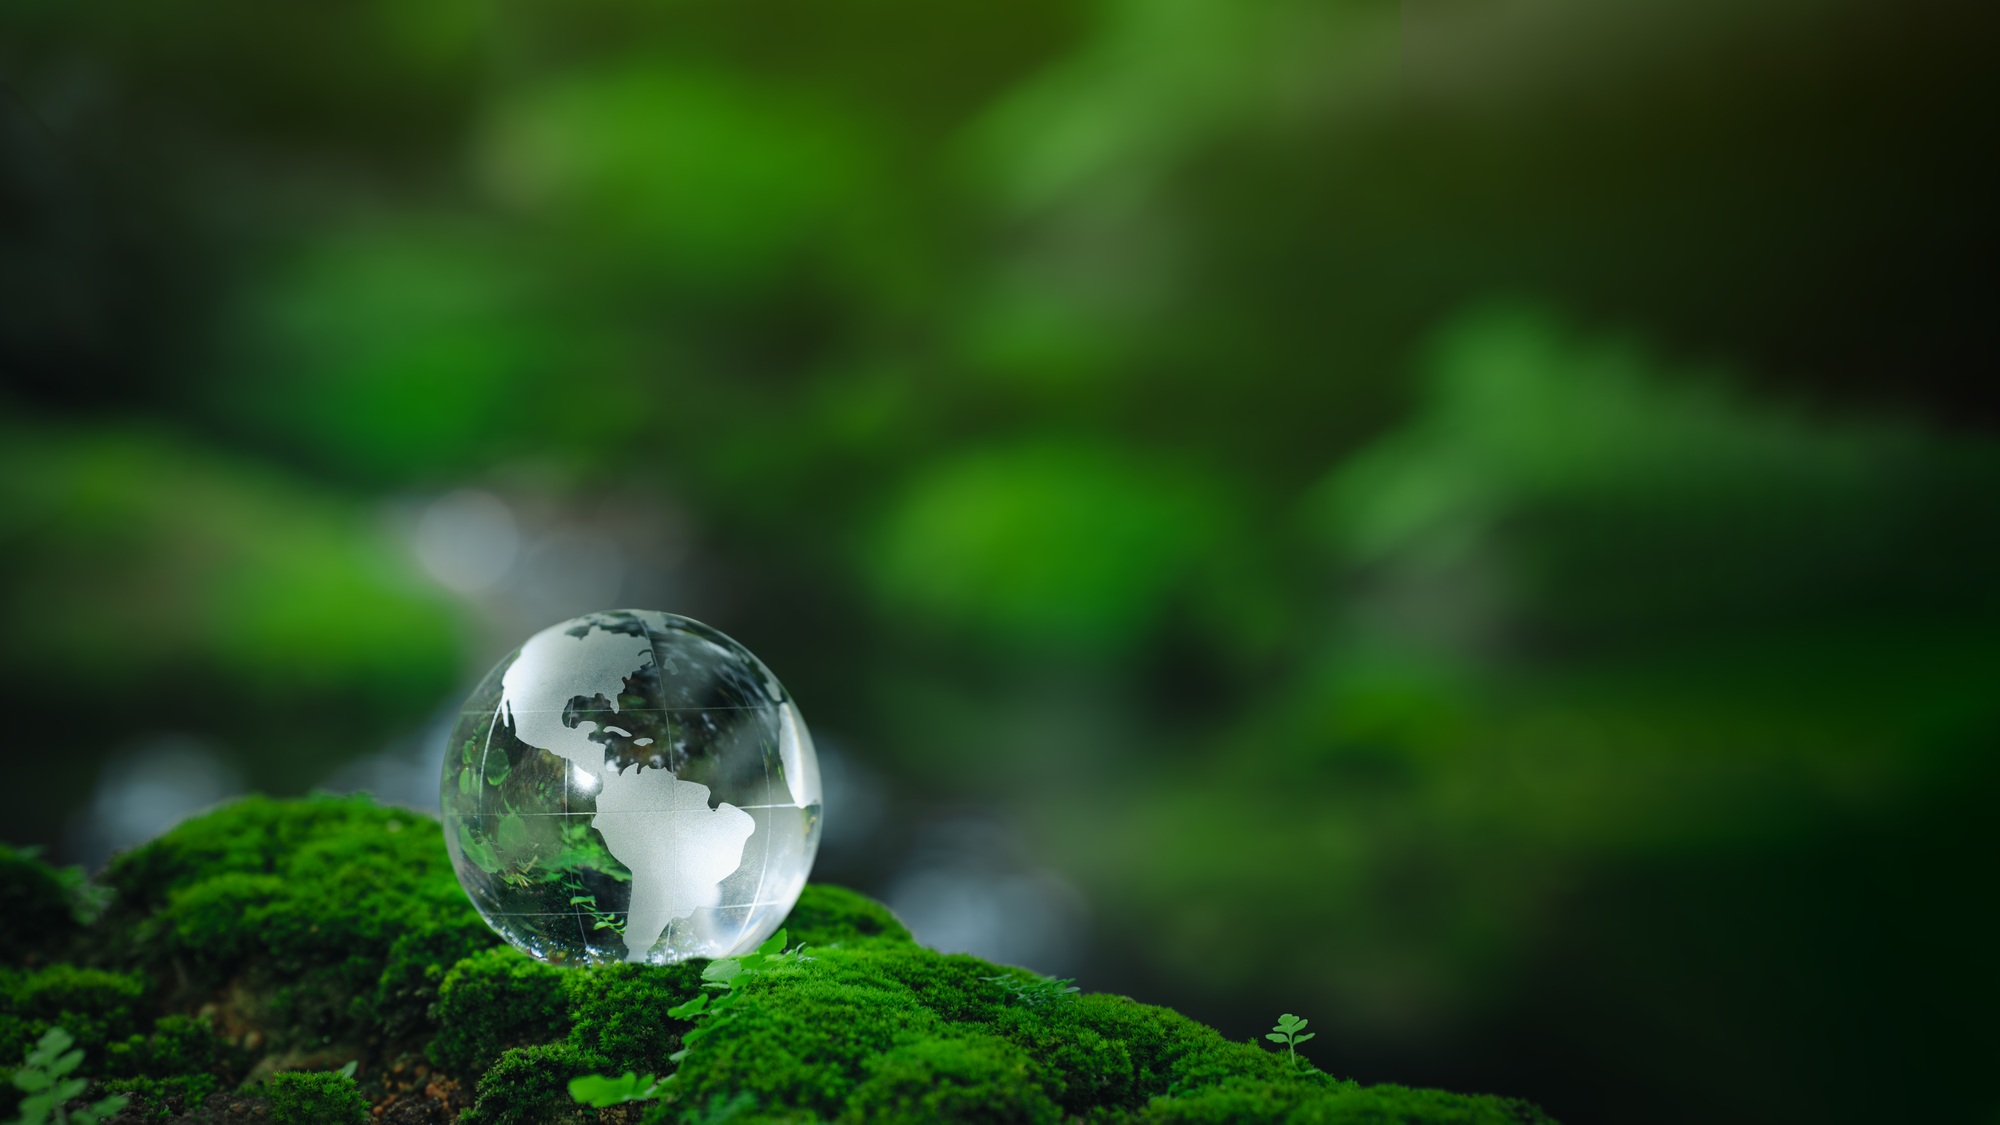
631,786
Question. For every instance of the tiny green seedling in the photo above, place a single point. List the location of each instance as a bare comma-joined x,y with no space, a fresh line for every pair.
601,1092
1287,1032
44,1077
725,976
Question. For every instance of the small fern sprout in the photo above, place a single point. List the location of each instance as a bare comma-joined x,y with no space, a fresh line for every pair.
1287,1032
45,1078
724,976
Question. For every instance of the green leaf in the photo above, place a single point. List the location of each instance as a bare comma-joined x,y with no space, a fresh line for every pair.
33,1079
774,945
512,834
601,1092
67,1063
690,1009
53,1043
102,1108
36,1108
477,850
723,972
1274,1037
348,1070
1306,1036
1300,1025
70,1088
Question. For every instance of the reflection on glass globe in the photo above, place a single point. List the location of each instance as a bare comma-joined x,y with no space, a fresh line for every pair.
631,786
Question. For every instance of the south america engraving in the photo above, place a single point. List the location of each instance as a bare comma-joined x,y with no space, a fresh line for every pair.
660,827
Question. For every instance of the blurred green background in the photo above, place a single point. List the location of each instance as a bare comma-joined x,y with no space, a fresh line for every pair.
1473,523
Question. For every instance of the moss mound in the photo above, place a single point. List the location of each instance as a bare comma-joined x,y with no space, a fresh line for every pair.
301,1097
248,955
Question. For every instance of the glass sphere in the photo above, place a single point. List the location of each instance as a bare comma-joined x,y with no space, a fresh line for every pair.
631,786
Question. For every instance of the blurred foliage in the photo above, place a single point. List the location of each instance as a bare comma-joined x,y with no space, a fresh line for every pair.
168,578
1469,520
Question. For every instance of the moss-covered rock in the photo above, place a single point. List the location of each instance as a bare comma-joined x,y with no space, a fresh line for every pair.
316,1098
37,903
494,1000
177,1045
94,1006
530,1086
831,915
335,919
621,1012
976,1078
274,941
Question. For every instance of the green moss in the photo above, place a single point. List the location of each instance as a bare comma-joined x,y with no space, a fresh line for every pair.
530,1086
802,1041
173,1067
1097,1072
332,928
494,1000
621,1012
402,1006
819,1037
828,915
95,1006
251,836
1344,1104
973,1080
341,914
952,985
326,1097
217,922
35,900
165,1097
177,1045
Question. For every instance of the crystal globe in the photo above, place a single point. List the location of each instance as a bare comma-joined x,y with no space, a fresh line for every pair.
631,786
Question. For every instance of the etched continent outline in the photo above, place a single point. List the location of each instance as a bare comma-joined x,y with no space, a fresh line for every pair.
678,849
